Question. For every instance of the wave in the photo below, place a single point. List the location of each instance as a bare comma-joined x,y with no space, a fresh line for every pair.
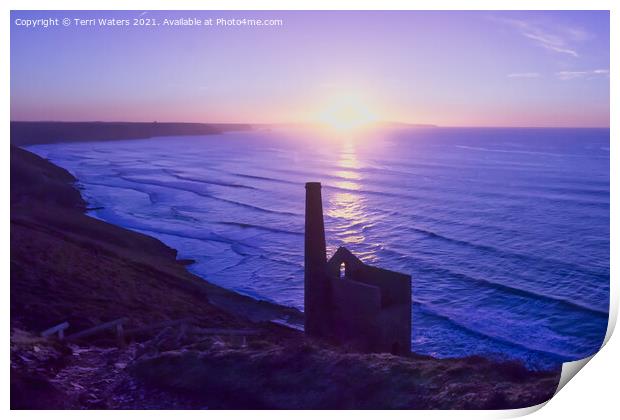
299,266
262,178
503,288
260,227
235,245
151,196
529,152
181,214
413,169
206,195
257,208
471,196
572,190
238,247
559,357
508,254
203,181
474,197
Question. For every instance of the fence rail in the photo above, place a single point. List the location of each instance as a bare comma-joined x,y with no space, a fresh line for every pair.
57,329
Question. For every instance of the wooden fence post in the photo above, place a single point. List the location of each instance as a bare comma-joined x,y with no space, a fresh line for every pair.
120,335
57,329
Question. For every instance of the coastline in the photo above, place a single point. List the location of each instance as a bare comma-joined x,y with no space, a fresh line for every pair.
67,266
61,210
45,132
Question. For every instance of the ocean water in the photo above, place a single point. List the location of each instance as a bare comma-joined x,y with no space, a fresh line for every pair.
505,231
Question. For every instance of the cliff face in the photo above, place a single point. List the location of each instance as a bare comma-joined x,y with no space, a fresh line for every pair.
40,132
66,266
32,177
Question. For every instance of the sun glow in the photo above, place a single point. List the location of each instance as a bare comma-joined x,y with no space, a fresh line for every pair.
346,114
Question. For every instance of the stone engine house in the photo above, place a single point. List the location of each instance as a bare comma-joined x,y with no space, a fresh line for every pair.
348,302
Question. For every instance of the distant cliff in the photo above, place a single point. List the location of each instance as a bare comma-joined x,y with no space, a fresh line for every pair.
42,132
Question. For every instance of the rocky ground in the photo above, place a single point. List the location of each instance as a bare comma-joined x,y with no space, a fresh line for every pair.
199,371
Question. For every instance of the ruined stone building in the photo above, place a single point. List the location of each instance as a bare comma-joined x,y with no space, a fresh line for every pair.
348,302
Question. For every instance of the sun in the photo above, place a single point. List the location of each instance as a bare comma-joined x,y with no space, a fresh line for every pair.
347,113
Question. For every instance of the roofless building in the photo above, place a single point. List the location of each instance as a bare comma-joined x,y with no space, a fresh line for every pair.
348,302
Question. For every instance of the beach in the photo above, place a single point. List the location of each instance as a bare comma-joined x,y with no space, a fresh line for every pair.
67,266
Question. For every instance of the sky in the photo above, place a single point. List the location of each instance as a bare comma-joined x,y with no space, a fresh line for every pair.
461,68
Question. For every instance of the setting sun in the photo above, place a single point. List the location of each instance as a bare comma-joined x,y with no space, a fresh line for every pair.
347,113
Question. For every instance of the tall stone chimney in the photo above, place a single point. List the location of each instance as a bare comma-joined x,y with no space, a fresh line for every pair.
316,285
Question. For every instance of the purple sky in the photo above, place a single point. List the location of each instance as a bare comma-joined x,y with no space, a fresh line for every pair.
447,68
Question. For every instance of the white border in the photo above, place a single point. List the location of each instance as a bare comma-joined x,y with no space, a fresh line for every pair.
592,396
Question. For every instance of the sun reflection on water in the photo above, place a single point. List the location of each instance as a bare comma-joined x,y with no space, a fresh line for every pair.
346,205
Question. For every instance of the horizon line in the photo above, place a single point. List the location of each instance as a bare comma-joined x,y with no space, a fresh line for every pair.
413,125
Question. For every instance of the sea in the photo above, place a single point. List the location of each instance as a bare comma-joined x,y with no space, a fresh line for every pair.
505,231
